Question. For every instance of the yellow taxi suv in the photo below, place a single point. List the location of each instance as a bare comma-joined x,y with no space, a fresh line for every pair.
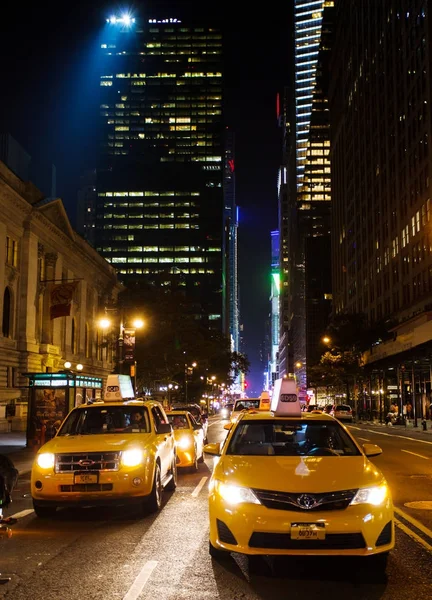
189,437
288,482
113,452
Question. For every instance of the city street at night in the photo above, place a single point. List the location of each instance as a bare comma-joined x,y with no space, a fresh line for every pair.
114,553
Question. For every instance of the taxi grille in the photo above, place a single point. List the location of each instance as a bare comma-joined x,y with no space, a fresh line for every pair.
294,501
283,541
87,487
87,461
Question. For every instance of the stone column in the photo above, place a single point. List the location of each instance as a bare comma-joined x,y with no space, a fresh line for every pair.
47,324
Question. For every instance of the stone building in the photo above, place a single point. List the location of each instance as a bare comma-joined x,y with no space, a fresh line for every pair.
38,250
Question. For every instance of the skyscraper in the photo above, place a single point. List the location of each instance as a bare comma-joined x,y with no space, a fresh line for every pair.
304,201
160,178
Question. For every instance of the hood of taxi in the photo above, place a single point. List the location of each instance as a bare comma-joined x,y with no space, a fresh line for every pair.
298,474
92,443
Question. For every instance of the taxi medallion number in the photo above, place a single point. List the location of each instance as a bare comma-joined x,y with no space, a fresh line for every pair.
307,531
86,478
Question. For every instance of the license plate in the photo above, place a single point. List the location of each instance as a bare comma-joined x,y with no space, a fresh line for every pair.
86,478
307,531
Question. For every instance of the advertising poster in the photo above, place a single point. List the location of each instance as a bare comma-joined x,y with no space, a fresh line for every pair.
48,411
129,345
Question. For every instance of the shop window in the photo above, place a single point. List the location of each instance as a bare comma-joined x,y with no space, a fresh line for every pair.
6,313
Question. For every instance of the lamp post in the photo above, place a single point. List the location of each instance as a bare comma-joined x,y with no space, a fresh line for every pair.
186,373
125,342
380,391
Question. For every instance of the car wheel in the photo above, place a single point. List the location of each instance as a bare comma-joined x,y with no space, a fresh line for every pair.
44,512
218,554
153,502
378,563
172,484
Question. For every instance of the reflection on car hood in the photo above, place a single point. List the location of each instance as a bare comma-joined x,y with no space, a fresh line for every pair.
94,443
298,474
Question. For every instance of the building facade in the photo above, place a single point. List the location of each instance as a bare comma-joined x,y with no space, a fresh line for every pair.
305,194
39,249
381,185
160,176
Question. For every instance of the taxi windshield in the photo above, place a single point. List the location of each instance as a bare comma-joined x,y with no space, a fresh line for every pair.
293,438
106,419
178,421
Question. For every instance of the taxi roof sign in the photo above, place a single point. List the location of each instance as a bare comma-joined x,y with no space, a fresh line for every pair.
285,401
118,387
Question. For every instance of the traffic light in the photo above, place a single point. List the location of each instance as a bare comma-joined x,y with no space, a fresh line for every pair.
246,385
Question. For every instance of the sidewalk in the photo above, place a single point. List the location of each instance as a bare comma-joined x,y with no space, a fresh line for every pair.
14,445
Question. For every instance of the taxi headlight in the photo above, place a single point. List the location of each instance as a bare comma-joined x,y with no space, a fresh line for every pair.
46,460
184,442
373,495
132,458
234,494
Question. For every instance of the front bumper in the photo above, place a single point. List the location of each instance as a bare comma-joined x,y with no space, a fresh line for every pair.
185,458
127,485
361,530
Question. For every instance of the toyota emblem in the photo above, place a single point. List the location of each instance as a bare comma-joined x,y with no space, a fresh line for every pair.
307,502
86,463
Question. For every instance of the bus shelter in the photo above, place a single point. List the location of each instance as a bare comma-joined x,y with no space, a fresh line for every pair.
51,397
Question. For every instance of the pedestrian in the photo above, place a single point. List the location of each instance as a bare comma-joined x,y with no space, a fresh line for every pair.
8,479
408,410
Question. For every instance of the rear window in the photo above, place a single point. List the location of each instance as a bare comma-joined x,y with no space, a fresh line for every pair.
247,404
345,407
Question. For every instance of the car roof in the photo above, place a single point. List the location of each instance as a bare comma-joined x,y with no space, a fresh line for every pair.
177,412
254,415
130,402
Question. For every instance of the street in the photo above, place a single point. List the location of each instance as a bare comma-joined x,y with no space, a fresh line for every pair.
112,553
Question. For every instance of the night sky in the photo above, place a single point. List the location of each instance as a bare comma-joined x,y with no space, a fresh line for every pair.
48,102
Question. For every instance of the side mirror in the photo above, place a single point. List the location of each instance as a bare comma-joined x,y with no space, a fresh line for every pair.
164,428
371,449
212,449
228,425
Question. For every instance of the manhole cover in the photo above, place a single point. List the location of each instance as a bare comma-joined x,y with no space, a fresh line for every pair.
420,504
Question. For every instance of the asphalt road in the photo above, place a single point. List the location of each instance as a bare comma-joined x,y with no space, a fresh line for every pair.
110,554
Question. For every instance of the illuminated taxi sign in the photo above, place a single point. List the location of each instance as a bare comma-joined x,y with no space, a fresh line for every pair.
285,401
118,387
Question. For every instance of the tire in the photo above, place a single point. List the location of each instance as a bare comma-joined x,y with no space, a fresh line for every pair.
172,484
44,512
378,563
218,554
154,501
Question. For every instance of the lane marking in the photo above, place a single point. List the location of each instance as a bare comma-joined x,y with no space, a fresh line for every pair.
415,454
364,439
352,427
412,535
402,437
199,487
413,521
139,583
22,513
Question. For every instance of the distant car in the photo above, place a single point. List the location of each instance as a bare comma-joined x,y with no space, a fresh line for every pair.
197,412
189,437
226,411
343,412
244,404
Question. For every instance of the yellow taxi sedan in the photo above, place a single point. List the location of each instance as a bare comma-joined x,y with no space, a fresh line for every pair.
189,438
297,485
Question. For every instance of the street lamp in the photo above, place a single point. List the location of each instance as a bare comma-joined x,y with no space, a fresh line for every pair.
186,373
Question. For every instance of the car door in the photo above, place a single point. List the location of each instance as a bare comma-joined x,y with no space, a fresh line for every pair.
198,433
164,441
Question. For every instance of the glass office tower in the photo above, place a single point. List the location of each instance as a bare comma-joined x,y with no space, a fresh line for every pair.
160,207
